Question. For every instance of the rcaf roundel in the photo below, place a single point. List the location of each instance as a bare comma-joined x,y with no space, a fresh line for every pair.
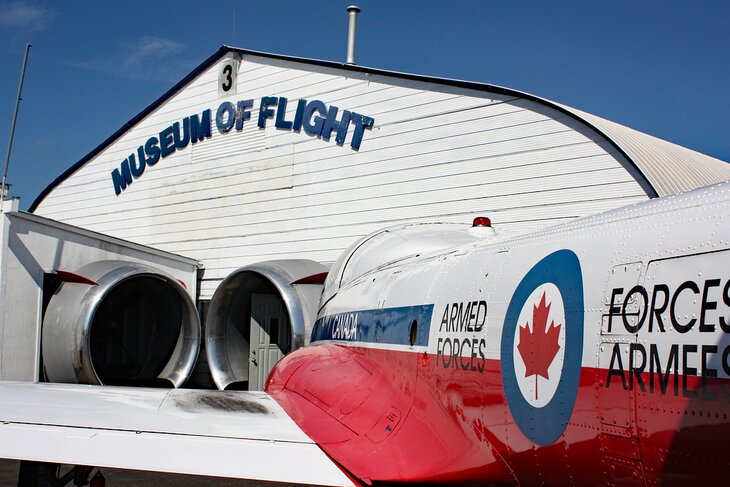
539,345
542,345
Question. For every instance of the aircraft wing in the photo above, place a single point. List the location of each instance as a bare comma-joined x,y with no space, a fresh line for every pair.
232,434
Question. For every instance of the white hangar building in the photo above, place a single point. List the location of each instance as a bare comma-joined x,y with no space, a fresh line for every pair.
255,157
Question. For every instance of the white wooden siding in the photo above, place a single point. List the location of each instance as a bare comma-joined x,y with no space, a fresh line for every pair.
435,153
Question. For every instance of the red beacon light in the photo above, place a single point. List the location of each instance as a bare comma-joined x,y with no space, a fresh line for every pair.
482,221
482,228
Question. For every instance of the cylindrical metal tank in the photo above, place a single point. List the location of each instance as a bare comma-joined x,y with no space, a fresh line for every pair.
130,324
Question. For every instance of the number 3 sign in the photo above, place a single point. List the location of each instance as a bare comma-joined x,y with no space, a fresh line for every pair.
227,75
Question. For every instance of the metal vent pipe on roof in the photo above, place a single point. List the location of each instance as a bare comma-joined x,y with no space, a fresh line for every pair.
353,10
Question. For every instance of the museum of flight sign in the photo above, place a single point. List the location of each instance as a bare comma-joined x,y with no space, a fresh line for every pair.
314,117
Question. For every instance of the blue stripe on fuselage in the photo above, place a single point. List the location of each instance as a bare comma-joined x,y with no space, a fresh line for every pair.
389,325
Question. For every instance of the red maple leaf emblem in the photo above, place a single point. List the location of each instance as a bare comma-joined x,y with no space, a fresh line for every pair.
539,346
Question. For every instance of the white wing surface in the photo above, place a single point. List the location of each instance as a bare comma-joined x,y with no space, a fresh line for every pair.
244,435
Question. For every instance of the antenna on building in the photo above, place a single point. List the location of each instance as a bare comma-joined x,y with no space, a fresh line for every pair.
4,186
353,10
234,24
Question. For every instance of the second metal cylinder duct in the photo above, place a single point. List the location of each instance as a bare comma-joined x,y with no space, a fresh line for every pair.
137,326
241,341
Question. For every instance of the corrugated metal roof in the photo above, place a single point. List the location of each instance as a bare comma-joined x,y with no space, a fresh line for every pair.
669,168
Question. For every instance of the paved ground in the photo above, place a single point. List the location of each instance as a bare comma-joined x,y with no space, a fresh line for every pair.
128,478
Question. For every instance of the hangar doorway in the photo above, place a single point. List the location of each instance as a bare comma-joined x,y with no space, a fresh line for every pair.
269,337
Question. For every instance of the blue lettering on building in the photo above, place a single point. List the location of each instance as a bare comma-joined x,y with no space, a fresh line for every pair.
225,117
314,117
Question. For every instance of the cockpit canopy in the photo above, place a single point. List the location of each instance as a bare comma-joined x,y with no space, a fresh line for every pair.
397,243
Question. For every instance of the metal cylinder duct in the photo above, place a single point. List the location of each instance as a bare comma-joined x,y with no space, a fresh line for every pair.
352,11
133,325
228,324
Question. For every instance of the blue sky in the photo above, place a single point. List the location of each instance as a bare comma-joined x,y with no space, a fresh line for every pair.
662,67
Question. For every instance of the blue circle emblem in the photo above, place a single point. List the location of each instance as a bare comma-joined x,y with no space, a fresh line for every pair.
543,425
